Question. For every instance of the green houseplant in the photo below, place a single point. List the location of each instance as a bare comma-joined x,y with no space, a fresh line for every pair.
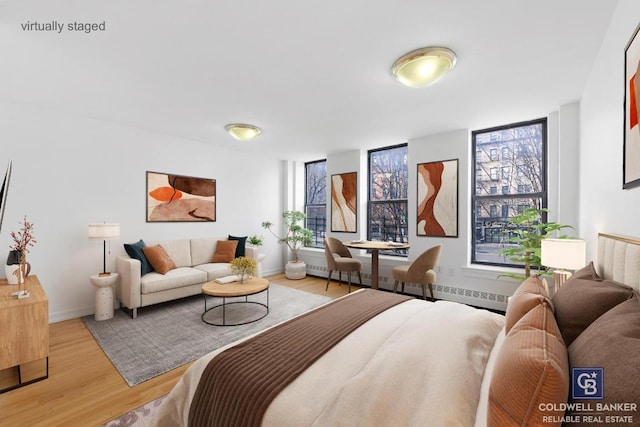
255,240
525,232
295,236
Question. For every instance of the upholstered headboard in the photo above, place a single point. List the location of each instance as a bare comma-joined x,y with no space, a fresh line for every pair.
619,259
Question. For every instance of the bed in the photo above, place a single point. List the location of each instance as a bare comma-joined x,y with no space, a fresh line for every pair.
412,362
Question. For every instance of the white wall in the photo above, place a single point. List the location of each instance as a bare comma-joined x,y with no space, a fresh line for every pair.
604,205
69,171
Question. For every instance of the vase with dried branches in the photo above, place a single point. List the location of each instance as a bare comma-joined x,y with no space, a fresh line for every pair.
23,239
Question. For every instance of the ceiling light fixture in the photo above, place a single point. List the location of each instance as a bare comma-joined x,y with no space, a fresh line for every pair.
423,67
243,132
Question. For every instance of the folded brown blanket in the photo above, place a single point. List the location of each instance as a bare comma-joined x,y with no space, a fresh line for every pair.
238,385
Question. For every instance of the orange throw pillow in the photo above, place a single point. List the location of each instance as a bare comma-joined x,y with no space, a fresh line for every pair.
531,375
159,259
225,251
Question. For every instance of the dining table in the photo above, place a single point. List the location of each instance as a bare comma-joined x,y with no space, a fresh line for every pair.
375,246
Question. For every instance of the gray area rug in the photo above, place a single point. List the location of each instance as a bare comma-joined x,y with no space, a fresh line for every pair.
168,335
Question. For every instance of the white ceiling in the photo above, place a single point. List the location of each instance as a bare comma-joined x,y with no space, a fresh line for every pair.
314,75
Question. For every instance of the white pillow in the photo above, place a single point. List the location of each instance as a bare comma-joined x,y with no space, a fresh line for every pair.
483,403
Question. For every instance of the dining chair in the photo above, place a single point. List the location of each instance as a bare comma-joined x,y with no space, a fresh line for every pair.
421,271
339,259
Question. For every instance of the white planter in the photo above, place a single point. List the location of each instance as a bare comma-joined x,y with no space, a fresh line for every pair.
295,270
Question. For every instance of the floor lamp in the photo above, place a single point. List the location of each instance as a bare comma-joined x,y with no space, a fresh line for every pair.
562,255
104,232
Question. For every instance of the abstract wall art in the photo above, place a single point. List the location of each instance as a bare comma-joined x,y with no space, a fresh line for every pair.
177,198
438,199
631,151
344,202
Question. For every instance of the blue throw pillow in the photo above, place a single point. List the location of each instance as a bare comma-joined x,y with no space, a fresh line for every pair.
242,241
134,250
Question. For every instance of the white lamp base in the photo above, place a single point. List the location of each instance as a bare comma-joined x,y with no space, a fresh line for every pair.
559,277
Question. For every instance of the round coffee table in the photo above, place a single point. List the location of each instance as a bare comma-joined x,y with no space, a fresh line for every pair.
252,286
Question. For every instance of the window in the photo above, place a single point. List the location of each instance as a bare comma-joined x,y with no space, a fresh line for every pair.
388,192
315,200
523,182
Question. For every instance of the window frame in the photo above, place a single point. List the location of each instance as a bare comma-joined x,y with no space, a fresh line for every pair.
318,240
500,199
371,203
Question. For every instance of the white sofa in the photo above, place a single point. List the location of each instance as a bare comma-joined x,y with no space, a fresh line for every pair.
194,268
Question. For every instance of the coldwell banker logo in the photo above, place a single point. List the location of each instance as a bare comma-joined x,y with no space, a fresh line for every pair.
587,383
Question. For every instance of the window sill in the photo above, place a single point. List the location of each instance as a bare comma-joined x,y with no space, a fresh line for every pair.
489,272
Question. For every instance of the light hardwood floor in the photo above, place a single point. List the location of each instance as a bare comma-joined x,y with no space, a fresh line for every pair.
84,389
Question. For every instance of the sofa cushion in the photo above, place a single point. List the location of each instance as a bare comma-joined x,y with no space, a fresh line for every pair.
179,251
159,259
225,251
215,270
202,250
176,278
134,250
242,243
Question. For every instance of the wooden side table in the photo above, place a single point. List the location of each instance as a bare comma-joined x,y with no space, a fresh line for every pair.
24,328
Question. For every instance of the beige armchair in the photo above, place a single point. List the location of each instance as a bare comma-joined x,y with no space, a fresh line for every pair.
339,259
421,271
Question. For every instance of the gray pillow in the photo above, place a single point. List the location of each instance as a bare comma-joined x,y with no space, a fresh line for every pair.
612,342
582,299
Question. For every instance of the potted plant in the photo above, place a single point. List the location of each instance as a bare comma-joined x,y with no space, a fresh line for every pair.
296,235
255,240
525,232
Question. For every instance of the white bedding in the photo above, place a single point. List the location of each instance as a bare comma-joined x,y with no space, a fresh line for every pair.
418,363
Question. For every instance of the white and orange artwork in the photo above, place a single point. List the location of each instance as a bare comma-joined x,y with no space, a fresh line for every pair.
344,202
176,198
438,199
632,109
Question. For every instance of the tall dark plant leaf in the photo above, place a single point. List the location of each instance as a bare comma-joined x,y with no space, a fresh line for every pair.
4,192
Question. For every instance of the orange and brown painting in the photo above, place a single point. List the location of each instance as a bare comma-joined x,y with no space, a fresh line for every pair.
344,202
176,198
438,199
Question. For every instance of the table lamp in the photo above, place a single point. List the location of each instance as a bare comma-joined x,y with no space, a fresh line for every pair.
562,255
104,232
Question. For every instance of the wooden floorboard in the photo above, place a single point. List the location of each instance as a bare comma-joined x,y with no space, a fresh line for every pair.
85,389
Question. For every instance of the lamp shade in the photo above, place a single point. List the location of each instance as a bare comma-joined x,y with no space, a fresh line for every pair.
423,67
104,231
563,253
